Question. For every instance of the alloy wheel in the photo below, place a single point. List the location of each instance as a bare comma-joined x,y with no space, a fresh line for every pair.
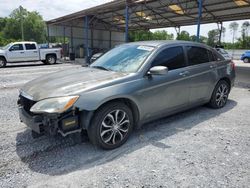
222,95
114,127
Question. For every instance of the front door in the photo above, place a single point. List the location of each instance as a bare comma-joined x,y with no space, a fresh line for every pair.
16,53
162,94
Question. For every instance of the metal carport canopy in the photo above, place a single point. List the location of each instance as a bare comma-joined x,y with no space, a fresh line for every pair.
151,14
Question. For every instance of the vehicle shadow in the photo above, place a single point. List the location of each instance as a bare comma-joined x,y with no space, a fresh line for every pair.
56,156
31,64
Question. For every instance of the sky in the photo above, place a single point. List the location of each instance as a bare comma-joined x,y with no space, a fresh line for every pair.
51,9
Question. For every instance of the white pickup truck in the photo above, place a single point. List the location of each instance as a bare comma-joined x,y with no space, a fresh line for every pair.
27,52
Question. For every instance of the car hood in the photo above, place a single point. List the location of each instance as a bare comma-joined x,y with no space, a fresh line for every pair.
70,82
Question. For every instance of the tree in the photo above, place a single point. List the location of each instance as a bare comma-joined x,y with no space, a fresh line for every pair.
245,39
203,39
162,35
233,28
213,37
148,35
183,35
32,22
245,28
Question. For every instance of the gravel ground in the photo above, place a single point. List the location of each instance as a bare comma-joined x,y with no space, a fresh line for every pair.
201,147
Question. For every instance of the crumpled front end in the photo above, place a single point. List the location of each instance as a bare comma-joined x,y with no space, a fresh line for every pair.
51,124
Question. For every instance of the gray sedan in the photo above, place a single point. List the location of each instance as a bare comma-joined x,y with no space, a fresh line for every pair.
131,84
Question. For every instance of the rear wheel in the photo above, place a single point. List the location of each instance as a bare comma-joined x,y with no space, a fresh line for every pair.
50,59
220,95
2,62
111,126
246,60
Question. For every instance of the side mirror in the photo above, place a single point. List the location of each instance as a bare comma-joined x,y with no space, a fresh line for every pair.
158,70
10,49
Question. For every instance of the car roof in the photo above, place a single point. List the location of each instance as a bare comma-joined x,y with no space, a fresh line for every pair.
20,42
159,43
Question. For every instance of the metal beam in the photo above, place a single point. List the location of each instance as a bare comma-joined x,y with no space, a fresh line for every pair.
199,21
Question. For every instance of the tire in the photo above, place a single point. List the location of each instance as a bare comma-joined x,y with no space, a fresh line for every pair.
2,62
246,60
50,59
220,95
105,131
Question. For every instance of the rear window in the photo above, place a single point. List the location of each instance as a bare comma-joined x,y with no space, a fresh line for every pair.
197,55
30,46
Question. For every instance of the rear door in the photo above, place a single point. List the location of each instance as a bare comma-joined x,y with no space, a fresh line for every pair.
16,53
31,52
201,67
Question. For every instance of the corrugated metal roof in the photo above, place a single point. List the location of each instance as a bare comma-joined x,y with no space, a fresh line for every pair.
149,14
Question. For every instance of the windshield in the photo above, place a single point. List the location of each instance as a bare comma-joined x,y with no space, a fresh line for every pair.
7,46
124,58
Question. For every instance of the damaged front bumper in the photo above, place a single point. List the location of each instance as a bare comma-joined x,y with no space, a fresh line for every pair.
51,124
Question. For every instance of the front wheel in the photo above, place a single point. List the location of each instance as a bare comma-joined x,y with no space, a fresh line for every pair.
246,60
111,126
50,59
220,95
2,62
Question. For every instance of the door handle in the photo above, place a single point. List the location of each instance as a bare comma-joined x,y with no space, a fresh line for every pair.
21,52
185,73
212,66
35,51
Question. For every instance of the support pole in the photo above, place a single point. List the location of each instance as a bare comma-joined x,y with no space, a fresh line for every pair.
92,38
199,21
126,22
86,26
71,40
178,30
48,37
110,38
220,26
64,48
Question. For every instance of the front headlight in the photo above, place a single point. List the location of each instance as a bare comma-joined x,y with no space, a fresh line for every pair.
54,105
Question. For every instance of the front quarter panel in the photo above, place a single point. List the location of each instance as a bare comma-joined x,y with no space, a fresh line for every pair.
92,100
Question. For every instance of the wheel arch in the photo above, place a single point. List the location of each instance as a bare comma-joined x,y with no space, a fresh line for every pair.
127,101
1,56
227,80
53,54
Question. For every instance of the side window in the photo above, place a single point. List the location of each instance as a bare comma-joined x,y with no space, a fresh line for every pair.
217,56
30,46
211,56
197,55
172,57
16,47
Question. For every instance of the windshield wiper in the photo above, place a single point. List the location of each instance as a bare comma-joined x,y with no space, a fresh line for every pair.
100,67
